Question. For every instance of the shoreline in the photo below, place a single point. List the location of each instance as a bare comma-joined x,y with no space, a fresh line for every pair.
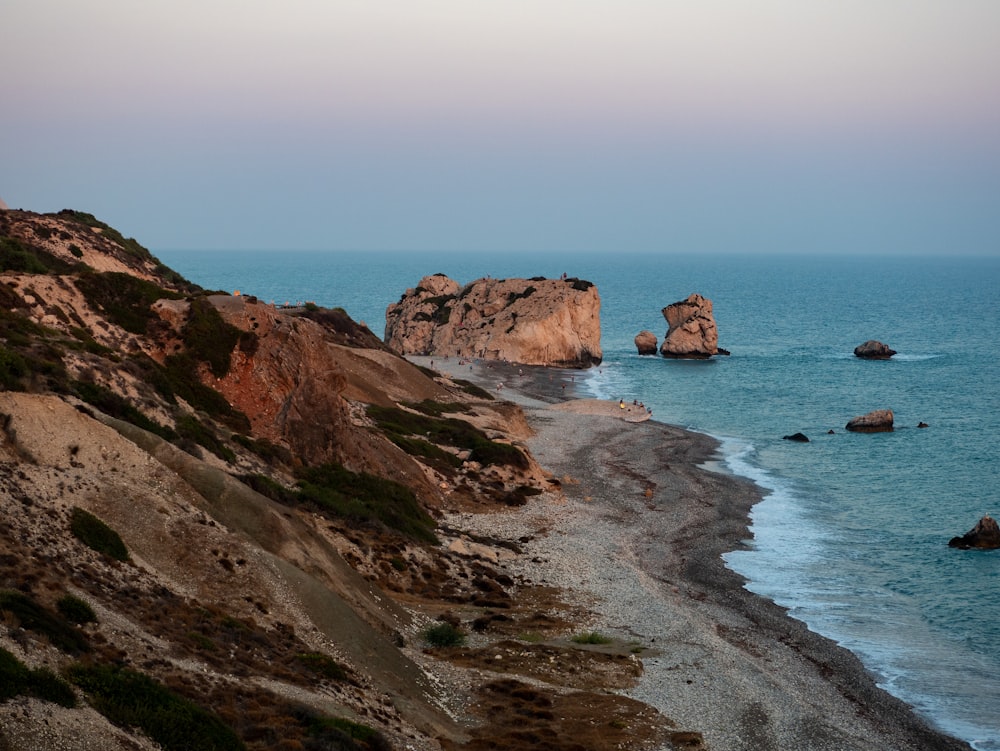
641,536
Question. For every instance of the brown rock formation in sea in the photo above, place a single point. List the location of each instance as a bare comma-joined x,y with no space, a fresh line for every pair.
645,342
534,321
692,332
873,350
876,421
986,534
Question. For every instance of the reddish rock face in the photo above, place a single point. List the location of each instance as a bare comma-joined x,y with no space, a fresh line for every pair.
692,332
531,321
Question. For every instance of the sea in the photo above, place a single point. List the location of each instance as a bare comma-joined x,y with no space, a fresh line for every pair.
852,533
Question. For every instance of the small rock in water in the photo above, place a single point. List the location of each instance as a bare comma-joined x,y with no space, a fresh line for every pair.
986,535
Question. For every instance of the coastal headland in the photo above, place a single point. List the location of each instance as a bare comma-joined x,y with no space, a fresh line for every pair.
637,541
229,525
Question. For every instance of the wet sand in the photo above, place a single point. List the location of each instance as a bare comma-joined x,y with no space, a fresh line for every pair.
639,540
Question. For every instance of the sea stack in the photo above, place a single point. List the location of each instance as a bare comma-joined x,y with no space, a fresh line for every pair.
692,332
645,342
535,321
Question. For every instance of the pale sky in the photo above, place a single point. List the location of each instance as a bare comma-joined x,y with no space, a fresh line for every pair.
798,126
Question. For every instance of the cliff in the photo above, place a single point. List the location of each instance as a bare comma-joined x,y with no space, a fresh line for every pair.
230,513
534,321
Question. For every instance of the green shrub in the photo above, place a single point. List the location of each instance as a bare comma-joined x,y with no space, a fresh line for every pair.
209,339
34,617
271,489
124,299
13,676
436,409
97,535
470,388
75,610
591,637
181,377
323,665
191,428
130,699
339,734
433,455
366,498
129,245
46,685
269,452
16,680
396,423
14,369
444,635
117,406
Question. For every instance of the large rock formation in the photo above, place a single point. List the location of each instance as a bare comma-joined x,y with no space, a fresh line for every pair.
534,321
873,350
692,332
986,534
876,421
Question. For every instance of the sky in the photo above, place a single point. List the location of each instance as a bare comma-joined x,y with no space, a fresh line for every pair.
665,126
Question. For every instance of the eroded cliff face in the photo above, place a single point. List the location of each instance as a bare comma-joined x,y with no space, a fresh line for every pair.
189,426
531,321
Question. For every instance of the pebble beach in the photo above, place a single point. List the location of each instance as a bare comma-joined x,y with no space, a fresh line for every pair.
637,537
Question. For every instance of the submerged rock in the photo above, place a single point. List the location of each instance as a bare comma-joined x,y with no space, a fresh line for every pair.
692,332
800,437
986,534
877,421
873,350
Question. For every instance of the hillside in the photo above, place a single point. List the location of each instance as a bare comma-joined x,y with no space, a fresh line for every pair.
230,525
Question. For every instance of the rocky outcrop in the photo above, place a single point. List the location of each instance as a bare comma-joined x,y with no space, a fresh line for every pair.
877,421
645,342
534,321
986,534
797,437
873,350
692,332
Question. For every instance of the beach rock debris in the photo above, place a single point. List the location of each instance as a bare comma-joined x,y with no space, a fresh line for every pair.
876,421
985,535
873,350
692,332
535,321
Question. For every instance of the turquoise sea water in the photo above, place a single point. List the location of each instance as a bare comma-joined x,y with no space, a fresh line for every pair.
852,536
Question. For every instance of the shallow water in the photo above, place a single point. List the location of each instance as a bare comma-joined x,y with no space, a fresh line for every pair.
852,536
